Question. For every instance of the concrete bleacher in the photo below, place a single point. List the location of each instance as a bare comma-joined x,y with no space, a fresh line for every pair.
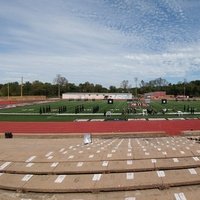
106,165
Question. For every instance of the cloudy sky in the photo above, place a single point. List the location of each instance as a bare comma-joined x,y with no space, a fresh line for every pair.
100,41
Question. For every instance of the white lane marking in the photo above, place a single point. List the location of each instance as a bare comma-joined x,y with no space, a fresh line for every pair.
105,163
48,154
196,158
29,164
174,149
3,166
30,159
50,157
96,177
79,164
91,156
1,174
179,196
147,153
129,154
192,171
153,160
80,152
27,177
164,153
55,164
129,176
161,173
113,151
98,151
175,160
60,179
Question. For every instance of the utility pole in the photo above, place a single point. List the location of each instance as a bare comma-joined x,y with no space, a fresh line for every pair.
59,90
8,90
136,80
22,86
184,83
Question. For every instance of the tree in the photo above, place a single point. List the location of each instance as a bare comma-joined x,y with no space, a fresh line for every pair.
86,87
60,81
112,88
98,88
38,88
142,83
125,85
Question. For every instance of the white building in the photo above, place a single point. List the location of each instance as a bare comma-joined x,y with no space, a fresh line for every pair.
97,96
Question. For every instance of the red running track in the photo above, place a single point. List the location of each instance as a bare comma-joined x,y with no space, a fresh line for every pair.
170,127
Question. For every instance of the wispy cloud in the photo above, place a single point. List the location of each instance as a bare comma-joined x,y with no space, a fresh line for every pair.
99,41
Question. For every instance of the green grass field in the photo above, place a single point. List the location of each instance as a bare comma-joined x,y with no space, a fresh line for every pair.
32,112
116,107
174,106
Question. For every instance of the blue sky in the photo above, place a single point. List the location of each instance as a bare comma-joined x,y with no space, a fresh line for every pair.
100,41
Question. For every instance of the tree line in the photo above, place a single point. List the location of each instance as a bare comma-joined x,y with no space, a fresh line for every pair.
61,85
